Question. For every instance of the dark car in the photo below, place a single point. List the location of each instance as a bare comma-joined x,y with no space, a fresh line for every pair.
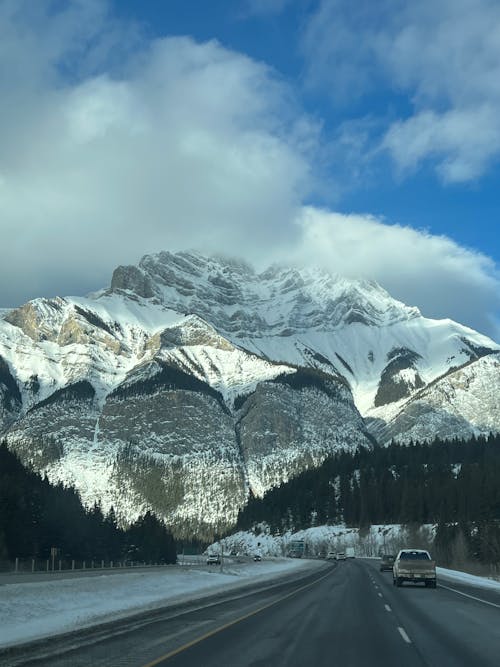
386,562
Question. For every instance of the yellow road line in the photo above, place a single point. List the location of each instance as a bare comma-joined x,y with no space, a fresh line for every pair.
193,642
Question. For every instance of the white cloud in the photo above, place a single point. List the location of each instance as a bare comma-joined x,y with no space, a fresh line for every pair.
188,144
441,277
465,141
443,57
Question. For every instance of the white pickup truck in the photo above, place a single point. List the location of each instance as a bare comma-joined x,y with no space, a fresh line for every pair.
415,565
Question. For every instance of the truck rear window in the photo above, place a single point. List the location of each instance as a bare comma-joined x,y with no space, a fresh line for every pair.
414,555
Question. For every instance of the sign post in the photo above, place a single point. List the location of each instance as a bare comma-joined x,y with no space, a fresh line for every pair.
53,554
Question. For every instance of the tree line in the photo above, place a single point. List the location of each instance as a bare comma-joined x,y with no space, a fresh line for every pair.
36,516
452,484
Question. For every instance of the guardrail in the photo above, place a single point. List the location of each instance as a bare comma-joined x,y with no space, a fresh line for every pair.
27,565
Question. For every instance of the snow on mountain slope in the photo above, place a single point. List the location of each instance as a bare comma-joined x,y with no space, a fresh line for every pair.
385,349
50,343
362,353
464,402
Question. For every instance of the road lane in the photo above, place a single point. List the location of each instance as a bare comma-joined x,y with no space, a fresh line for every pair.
446,628
340,620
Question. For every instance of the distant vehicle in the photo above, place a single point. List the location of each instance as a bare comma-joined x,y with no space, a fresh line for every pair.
331,555
386,562
213,559
257,557
415,565
349,552
296,549
341,555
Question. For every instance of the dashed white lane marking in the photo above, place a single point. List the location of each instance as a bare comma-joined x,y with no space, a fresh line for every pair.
387,608
403,634
472,597
380,595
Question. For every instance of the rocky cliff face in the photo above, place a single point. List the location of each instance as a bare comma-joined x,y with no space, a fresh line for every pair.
241,303
193,381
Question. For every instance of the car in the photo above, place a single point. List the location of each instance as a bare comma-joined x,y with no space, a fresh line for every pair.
341,555
213,559
257,557
331,555
386,562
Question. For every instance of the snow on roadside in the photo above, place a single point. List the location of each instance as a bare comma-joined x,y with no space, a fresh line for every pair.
468,579
34,610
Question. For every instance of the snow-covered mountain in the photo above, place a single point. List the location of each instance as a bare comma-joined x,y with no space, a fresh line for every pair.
385,350
142,407
192,381
464,402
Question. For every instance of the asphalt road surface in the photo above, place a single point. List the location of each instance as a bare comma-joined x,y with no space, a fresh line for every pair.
346,614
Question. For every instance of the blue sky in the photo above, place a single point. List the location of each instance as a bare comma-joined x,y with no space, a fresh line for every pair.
361,136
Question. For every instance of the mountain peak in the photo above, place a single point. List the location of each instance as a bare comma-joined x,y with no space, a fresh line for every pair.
281,300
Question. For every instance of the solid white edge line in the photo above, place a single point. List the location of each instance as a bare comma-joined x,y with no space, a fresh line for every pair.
472,597
403,634
387,608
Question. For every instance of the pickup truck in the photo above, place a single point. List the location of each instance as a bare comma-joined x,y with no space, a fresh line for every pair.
415,565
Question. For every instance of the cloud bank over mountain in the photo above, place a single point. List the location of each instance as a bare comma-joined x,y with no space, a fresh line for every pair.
115,144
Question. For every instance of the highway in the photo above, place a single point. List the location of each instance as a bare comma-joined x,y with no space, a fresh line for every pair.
346,614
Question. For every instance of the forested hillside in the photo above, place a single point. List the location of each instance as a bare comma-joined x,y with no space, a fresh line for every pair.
452,484
35,516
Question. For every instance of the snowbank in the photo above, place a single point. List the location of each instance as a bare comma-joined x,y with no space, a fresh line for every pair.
468,579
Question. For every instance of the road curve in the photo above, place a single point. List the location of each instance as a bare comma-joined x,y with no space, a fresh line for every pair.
348,614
